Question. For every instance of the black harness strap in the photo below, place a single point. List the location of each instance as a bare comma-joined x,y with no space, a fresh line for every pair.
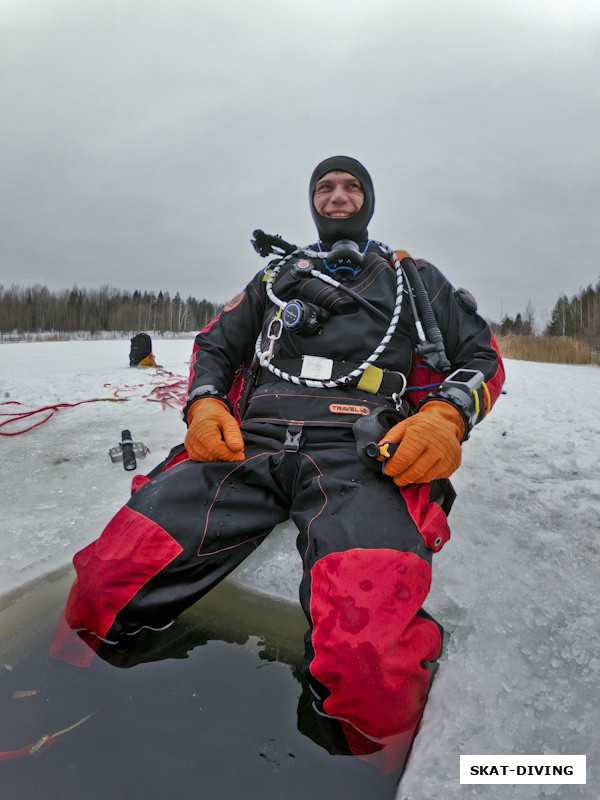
382,382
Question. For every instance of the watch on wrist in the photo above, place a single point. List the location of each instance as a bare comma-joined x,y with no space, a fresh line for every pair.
460,389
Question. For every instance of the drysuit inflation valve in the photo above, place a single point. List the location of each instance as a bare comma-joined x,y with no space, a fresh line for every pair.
369,430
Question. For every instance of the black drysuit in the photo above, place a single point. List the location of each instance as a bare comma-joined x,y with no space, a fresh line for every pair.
366,545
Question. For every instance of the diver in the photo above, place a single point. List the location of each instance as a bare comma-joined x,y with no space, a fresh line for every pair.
351,421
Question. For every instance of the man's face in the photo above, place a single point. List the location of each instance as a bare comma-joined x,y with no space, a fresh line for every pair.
338,194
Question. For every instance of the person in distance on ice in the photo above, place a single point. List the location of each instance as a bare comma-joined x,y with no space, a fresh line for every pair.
368,372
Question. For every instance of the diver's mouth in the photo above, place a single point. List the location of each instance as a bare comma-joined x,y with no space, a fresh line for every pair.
339,214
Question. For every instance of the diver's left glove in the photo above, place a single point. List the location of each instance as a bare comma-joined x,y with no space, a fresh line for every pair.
428,444
213,434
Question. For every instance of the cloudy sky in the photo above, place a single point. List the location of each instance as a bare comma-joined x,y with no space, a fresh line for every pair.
142,141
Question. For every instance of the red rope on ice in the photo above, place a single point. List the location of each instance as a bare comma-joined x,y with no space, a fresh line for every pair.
17,416
171,393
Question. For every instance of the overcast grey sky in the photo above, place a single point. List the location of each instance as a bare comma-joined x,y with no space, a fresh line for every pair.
142,141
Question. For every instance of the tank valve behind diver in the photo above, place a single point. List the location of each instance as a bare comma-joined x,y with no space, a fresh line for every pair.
127,450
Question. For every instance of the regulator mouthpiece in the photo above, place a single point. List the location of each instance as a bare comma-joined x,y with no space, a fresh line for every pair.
344,260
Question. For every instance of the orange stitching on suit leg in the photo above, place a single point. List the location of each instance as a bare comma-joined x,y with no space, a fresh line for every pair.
319,512
231,547
225,477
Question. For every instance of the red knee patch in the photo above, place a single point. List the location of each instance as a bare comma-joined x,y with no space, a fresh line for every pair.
369,645
110,571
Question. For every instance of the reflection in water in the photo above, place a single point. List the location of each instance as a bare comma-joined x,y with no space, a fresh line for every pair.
216,705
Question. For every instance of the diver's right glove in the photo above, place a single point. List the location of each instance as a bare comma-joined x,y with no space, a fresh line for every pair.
213,434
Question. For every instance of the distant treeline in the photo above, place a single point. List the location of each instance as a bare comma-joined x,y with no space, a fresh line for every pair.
38,309
577,318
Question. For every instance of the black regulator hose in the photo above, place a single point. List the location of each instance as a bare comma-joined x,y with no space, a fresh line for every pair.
433,350
300,271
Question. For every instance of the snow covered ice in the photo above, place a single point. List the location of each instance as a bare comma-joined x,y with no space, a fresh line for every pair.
516,587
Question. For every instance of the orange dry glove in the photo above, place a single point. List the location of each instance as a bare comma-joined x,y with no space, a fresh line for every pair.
429,444
213,434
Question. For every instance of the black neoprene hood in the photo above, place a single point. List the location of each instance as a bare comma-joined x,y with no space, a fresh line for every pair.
355,227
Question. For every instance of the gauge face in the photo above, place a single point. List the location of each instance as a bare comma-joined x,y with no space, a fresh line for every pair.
292,314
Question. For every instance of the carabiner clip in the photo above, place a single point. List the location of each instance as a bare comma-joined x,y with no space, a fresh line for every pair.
272,336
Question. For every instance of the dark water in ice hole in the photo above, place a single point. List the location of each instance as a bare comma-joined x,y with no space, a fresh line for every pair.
217,715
